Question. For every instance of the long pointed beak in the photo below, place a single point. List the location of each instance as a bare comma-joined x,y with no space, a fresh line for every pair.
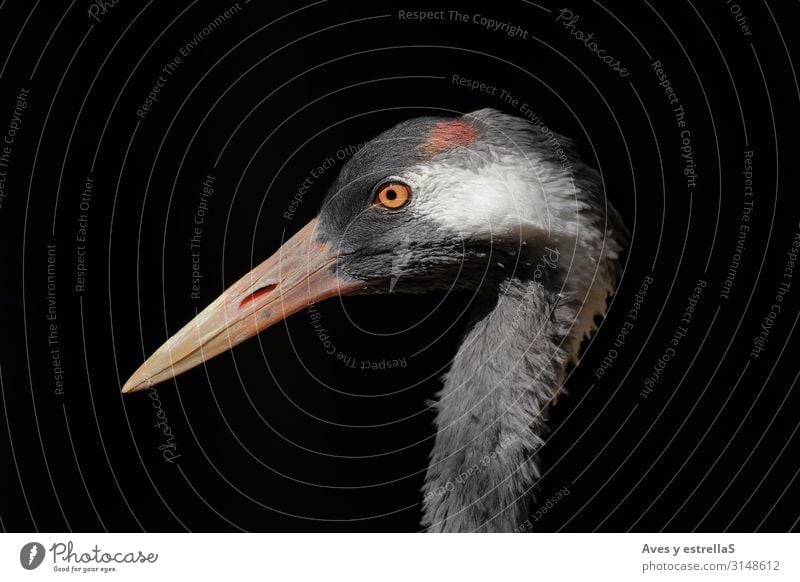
298,274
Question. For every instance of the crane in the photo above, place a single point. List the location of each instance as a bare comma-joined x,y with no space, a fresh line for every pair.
486,202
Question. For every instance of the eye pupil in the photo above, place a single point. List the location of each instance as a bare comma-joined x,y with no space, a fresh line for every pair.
391,194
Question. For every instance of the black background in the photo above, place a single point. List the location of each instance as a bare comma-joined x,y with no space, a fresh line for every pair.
278,435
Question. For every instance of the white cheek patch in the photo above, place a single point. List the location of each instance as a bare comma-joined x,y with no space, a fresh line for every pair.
509,197
501,200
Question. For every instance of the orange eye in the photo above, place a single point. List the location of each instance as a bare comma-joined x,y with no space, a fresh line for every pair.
393,195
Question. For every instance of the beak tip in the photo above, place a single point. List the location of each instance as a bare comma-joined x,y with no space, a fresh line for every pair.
136,383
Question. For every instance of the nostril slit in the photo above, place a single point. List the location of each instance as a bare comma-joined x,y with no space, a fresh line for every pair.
257,294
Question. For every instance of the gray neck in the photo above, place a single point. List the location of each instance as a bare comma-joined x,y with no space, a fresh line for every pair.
490,412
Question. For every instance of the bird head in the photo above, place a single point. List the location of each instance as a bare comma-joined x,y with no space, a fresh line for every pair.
433,203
